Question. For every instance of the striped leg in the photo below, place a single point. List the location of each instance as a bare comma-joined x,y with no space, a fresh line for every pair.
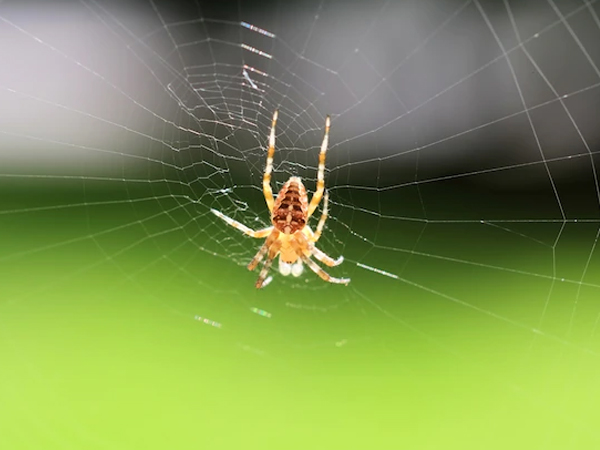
316,198
243,228
301,244
268,192
324,275
325,258
265,247
321,224
273,251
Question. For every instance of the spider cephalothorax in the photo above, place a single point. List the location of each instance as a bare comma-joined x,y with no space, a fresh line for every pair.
290,236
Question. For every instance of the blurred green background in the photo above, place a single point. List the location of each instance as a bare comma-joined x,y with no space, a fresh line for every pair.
479,344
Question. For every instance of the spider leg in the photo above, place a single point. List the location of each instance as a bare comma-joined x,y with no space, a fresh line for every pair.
304,249
273,251
324,275
325,258
268,192
313,236
317,234
265,247
316,198
243,228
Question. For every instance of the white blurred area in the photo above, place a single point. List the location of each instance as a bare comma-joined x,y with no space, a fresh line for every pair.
469,86
67,89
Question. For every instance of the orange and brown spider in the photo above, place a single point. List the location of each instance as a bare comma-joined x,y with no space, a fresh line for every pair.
290,236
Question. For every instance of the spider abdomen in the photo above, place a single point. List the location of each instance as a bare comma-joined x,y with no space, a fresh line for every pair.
290,210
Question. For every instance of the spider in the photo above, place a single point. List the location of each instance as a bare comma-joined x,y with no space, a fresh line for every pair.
290,236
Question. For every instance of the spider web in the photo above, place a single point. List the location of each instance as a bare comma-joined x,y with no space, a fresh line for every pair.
462,174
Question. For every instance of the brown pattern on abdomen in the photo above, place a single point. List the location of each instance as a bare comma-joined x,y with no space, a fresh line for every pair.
291,207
